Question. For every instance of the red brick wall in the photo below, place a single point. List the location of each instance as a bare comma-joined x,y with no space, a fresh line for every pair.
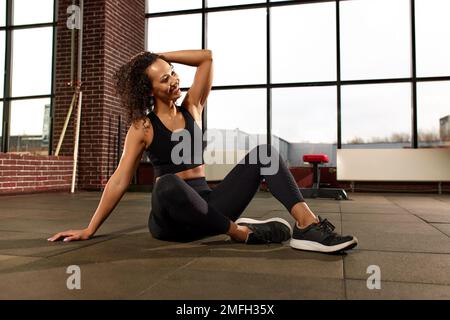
113,32
25,173
124,37
63,93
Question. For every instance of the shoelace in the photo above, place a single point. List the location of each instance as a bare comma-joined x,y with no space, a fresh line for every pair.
326,225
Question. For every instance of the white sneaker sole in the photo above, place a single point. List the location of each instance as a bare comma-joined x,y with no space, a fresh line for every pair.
253,221
315,246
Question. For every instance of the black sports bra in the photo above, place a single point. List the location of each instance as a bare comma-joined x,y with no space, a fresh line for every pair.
169,156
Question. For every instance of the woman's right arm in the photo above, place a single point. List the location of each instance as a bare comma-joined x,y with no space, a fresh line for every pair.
135,145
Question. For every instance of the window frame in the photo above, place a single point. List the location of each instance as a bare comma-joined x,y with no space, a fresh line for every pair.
413,79
7,97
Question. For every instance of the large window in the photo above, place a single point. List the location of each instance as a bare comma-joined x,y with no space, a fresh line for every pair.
305,119
32,11
229,130
432,34
303,43
239,47
29,134
26,37
434,114
375,39
2,62
376,116
220,3
231,110
1,122
2,13
172,5
31,61
315,76
185,32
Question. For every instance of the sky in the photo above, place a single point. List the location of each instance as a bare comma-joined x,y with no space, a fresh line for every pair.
375,43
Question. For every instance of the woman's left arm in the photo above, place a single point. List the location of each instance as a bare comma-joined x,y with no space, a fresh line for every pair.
202,59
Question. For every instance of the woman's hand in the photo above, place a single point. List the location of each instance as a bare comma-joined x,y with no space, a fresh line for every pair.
72,235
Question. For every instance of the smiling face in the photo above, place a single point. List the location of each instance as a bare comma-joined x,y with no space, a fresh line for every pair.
165,82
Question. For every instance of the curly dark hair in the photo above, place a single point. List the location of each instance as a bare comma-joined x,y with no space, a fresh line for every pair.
133,85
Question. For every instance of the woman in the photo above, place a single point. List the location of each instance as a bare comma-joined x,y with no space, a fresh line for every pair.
184,208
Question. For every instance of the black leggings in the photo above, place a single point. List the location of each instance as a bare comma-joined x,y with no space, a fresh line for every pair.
185,210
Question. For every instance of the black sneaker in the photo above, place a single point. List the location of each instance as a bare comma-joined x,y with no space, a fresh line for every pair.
320,237
274,230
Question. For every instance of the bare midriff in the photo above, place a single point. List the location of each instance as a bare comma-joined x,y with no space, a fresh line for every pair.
197,172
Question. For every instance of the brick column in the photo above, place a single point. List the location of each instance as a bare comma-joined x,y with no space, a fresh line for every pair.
113,32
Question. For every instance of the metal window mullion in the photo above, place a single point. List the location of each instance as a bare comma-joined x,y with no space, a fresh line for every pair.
29,26
32,26
338,77
268,80
204,46
53,80
440,78
7,79
40,96
232,8
415,138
